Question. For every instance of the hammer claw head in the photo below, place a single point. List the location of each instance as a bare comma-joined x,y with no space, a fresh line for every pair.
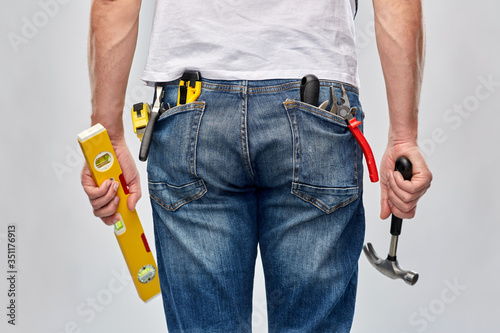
371,255
389,268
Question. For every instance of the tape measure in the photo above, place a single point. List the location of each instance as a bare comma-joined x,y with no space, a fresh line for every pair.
140,118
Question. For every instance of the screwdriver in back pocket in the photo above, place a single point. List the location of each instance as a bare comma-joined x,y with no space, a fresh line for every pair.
157,110
309,89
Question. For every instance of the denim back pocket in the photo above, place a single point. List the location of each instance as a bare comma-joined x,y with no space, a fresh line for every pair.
172,176
325,161
173,197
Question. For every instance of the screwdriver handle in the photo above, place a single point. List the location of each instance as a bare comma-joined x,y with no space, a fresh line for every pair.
148,134
309,89
403,165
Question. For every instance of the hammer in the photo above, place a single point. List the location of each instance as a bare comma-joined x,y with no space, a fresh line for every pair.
390,266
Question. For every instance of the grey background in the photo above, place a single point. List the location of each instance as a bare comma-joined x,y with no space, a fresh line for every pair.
68,260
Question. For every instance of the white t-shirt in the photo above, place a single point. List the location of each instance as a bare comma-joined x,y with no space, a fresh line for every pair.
253,40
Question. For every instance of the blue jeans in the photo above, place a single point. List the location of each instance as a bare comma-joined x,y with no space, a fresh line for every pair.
250,165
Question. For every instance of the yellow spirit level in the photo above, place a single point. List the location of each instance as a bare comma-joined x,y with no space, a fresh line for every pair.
101,159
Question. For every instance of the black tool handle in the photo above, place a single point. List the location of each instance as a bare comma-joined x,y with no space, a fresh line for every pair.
148,134
309,89
403,165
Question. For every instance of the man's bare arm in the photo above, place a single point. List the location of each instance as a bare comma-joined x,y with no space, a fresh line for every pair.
112,40
401,45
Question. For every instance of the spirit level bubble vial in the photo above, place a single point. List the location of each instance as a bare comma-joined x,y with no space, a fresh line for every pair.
103,164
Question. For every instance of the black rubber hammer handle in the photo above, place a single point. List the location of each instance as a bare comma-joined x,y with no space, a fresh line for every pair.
403,165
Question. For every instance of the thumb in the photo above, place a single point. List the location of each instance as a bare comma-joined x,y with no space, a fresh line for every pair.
385,209
134,196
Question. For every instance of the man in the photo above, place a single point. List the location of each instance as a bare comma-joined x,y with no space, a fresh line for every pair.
249,165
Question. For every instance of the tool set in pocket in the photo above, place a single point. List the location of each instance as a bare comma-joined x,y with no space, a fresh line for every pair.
309,93
144,116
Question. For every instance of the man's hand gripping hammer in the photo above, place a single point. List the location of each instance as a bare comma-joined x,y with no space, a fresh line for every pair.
390,266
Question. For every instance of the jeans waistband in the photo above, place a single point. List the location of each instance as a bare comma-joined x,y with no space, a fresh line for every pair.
260,86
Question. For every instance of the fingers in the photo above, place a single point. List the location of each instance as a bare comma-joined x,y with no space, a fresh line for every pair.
110,220
106,205
398,196
103,199
402,195
403,206
107,195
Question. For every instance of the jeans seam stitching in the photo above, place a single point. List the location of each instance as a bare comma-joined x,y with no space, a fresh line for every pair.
245,153
271,88
299,147
184,108
324,114
295,143
190,157
195,144
178,203
320,205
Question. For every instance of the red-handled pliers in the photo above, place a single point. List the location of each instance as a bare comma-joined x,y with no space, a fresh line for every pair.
344,110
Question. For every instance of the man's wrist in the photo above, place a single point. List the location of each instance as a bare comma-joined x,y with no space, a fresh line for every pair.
409,136
112,124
